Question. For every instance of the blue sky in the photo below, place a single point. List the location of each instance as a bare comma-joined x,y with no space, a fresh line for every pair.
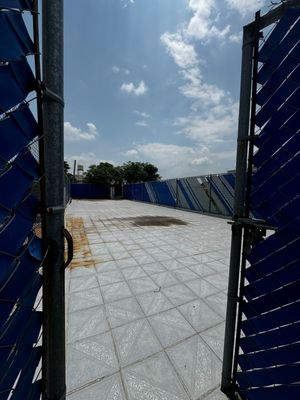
154,80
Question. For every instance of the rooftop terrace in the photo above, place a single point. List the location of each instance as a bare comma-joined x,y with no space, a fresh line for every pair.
146,300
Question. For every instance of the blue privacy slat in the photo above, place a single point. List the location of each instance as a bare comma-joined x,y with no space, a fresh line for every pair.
273,281
8,265
22,328
286,111
285,374
24,388
290,127
271,320
286,212
277,337
16,82
272,300
277,78
15,42
22,223
272,243
278,33
19,4
263,359
14,286
24,171
288,392
230,178
278,98
284,138
279,55
16,131
275,260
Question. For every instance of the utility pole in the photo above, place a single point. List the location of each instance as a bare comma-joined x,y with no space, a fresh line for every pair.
54,386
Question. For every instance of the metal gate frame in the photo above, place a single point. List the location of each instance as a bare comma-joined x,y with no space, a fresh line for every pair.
243,227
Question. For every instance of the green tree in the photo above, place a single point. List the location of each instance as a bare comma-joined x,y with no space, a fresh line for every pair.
102,174
139,172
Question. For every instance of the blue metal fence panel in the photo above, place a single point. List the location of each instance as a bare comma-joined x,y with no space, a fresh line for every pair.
269,353
20,249
211,194
89,191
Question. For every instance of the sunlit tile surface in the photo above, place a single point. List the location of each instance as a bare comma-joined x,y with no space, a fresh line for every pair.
145,303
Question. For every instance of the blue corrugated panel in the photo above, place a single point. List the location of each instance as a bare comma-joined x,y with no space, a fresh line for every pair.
280,392
278,34
163,193
17,130
16,82
15,42
18,4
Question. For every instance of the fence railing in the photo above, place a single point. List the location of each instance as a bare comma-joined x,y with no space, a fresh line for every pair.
20,249
212,194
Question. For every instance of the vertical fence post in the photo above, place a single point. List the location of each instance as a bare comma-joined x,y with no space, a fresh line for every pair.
54,280
239,201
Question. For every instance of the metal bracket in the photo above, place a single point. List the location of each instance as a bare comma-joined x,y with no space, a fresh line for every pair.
253,223
55,210
48,93
69,239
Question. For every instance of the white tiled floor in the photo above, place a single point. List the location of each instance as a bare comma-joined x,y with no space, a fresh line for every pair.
146,314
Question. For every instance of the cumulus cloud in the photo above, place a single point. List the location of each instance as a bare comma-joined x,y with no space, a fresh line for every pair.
142,114
245,7
141,123
75,134
115,69
173,160
202,24
137,90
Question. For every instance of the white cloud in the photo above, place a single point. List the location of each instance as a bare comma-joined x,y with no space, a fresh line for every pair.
138,90
236,37
142,114
201,25
75,134
131,152
115,69
141,123
245,7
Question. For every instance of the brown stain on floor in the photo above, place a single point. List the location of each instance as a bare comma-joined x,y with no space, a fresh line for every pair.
149,220
82,255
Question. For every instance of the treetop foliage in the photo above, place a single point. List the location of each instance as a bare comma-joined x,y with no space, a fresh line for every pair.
130,172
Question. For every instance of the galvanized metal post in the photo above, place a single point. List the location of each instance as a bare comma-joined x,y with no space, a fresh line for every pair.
54,386
239,202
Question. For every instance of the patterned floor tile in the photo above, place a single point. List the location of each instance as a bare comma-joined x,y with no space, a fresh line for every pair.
218,266
85,323
126,263
216,395
82,271
153,268
188,261
105,278
197,366
172,264
202,269
133,273
153,379
199,315
202,288
170,327
218,280
123,311
154,302
214,337
185,274
142,285
83,283
106,266
84,299
115,291
90,359
179,294
218,302
135,341
164,279
108,389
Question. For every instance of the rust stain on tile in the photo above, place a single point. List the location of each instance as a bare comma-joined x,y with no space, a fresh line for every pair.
82,254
